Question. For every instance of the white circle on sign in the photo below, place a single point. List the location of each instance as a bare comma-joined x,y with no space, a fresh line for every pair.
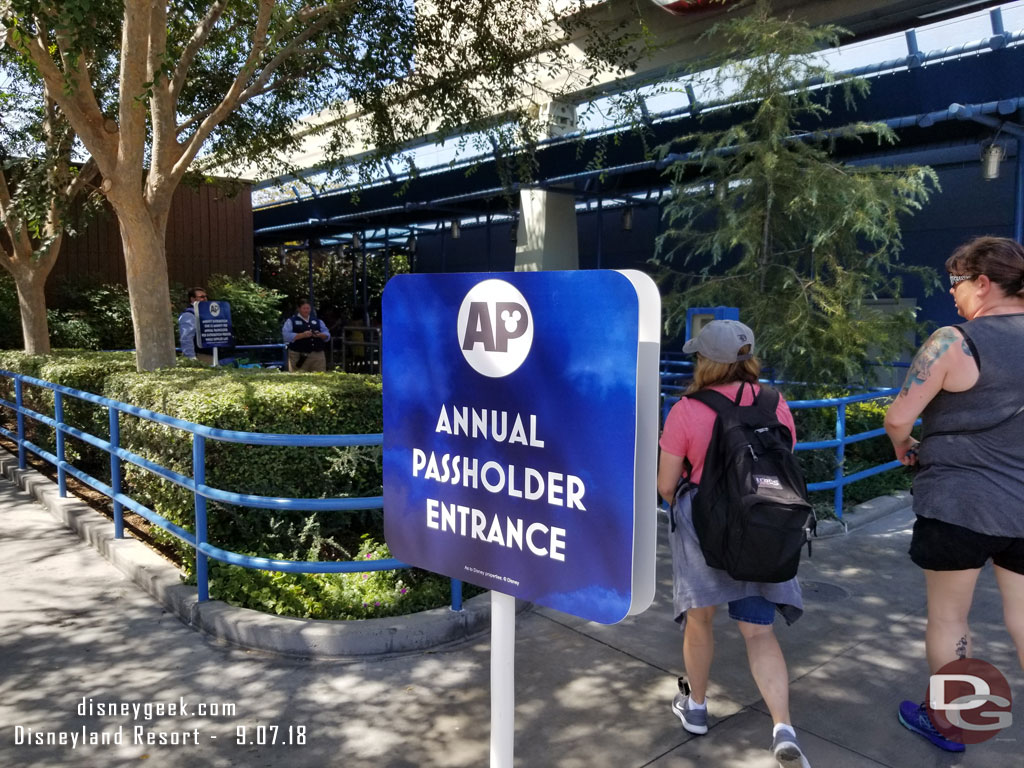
495,328
214,309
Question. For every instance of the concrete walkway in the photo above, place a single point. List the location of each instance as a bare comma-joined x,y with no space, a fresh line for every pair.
77,633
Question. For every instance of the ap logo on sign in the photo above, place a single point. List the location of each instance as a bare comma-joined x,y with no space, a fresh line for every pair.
495,328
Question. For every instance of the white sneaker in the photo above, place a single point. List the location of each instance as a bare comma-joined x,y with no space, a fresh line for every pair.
693,719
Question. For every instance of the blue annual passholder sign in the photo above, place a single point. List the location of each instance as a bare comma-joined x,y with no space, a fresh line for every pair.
520,433
214,324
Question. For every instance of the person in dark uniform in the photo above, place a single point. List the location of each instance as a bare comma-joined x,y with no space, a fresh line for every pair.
307,339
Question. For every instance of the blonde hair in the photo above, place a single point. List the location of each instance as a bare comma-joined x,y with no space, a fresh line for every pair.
708,373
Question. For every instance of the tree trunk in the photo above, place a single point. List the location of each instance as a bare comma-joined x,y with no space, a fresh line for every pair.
35,329
145,261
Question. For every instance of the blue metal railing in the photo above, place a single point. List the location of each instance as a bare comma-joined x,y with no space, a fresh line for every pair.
196,483
671,392
840,480
671,371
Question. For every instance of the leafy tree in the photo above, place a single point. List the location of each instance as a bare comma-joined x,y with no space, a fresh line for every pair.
91,315
255,308
233,78
41,190
764,218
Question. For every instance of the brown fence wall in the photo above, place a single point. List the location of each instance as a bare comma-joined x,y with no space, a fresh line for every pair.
209,231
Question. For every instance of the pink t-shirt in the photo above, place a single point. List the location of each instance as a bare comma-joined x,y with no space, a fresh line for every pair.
689,424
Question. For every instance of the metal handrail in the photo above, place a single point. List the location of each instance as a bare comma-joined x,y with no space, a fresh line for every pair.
196,483
670,394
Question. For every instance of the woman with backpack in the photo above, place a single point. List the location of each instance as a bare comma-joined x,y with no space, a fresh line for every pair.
725,363
965,384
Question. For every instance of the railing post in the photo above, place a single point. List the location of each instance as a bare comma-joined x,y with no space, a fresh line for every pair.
456,595
199,478
58,415
840,458
115,469
20,417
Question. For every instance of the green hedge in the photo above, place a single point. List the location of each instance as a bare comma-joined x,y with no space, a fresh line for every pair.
258,401
78,369
813,424
251,400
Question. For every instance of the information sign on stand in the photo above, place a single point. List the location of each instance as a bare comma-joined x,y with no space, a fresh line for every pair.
520,440
213,327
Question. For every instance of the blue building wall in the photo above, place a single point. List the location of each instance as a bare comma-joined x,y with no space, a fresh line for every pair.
964,207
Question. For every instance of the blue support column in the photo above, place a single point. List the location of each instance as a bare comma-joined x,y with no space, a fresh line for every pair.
1018,202
840,458
199,476
20,418
58,415
115,469
309,255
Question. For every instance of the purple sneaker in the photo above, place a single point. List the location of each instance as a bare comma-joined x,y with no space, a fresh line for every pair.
915,718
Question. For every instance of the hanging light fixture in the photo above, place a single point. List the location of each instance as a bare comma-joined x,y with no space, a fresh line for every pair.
991,156
357,241
410,244
627,218
456,230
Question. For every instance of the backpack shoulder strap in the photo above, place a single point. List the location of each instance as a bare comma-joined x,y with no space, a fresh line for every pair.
716,401
768,400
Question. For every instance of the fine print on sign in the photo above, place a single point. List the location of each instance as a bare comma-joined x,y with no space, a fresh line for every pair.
520,430
214,324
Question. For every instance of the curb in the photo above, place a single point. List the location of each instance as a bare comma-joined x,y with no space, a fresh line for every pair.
243,627
865,512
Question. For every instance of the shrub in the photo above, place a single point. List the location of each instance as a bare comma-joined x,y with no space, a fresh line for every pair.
10,314
256,311
259,401
372,594
813,424
247,400
29,365
89,315
73,368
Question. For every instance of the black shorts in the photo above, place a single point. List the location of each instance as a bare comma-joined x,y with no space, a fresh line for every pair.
939,546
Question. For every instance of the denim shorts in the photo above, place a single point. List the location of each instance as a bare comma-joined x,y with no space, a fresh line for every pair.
753,610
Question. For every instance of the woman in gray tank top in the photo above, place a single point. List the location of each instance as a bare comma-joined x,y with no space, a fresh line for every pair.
965,384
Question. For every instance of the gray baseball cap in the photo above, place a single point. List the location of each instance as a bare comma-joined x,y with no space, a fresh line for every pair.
721,341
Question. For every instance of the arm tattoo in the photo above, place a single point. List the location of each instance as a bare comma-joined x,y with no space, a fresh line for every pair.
966,348
926,357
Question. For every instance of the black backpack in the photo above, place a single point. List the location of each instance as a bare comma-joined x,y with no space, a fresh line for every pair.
751,512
